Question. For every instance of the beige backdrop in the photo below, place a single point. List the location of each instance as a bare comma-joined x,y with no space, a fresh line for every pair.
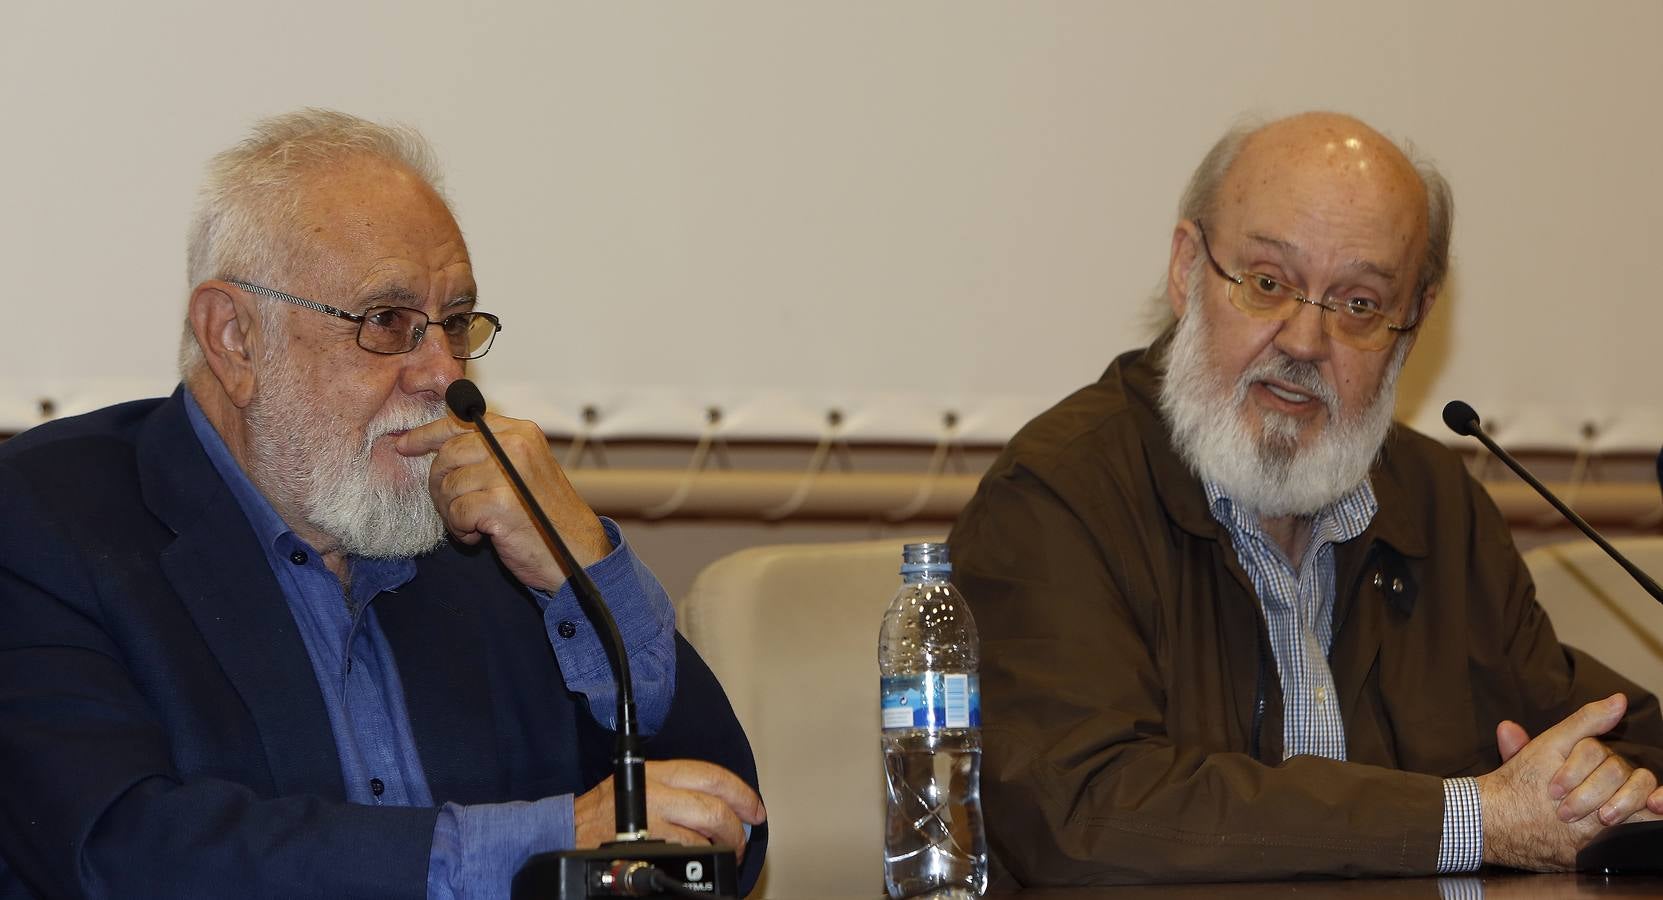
894,210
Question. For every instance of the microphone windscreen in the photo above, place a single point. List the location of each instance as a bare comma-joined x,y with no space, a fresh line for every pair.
465,400
1461,418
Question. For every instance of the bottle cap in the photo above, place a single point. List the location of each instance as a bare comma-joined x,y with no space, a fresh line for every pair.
928,560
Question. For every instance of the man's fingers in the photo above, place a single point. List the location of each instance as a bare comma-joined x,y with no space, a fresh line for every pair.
429,437
458,480
709,778
1630,798
1510,739
683,817
1584,758
482,512
464,451
1592,720
676,834
1593,792
703,813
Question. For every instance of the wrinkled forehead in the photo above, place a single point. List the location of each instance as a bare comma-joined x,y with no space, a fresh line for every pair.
1333,166
361,194
367,214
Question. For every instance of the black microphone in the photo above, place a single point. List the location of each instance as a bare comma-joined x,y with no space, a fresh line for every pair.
596,873
629,795
1463,420
1458,415
1630,848
464,399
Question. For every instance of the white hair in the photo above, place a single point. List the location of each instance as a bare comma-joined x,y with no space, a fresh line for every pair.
246,220
303,461
1270,474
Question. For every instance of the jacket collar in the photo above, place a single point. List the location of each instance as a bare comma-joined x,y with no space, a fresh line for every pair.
1184,496
219,571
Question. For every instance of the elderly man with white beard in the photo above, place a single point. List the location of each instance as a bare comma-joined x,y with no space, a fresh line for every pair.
290,632
1235,623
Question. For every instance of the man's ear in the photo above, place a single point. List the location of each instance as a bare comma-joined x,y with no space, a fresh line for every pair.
222,319
1186,249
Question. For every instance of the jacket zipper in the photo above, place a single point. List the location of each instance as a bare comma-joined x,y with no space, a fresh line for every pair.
1259,699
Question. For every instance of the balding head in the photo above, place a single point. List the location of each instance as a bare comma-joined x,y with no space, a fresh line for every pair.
1202,195
1329,166
1283,402
1322,146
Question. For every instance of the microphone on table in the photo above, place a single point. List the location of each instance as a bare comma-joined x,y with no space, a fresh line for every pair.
1630,848
631,865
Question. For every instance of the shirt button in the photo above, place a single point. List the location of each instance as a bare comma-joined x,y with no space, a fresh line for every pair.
1322,695
298,557
567,630
376,787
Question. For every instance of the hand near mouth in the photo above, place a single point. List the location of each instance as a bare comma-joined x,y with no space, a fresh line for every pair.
476,499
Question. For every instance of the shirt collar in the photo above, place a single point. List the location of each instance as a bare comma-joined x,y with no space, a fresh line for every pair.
1338,522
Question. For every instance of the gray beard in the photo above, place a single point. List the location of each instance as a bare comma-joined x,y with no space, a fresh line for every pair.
1270,476
298,461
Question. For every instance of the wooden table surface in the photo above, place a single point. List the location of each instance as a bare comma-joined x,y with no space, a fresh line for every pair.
1501,885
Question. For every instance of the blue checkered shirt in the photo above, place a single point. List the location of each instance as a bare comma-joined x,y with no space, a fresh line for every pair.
1298,606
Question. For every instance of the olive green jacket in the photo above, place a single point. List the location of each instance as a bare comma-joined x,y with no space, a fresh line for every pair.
1130,700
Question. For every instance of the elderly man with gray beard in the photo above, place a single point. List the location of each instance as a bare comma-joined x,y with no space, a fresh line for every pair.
1238,625
290,632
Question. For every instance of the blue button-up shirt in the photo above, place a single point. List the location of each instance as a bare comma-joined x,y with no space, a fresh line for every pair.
1298,607
477,848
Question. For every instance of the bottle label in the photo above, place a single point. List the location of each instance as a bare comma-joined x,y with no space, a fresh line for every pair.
932,700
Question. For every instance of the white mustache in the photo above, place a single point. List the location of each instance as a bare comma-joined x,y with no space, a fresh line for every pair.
403,420
1281,367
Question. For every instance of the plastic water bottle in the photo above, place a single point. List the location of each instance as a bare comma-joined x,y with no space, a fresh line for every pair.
932,742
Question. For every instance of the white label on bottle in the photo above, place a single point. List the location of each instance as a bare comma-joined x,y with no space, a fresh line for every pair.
957,690
897,717
931,700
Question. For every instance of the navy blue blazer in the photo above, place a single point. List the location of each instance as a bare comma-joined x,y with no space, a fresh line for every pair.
162,732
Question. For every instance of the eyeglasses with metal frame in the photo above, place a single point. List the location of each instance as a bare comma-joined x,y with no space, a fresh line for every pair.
1355,321
392,330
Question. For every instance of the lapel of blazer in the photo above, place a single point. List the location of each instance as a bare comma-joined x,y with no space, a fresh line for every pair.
221,576
437,631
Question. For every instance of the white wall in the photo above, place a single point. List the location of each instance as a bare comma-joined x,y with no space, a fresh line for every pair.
892,209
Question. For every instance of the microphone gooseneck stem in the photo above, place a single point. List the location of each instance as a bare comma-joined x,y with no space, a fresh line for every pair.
1634,572
629,794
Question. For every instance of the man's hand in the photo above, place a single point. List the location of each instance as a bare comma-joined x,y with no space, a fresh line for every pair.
476,499
688,802
1553,793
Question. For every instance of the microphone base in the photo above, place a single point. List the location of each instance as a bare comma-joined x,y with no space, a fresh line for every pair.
584,874
1632,848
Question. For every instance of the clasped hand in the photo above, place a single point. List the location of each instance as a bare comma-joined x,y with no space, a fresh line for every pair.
1555,792
688,802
